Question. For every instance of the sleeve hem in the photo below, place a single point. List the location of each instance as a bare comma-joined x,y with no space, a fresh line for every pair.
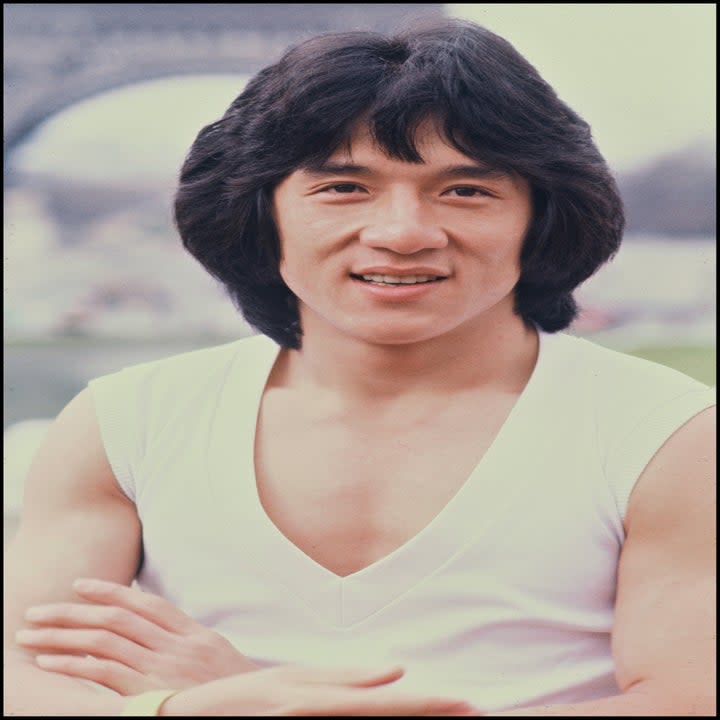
630,459
114,436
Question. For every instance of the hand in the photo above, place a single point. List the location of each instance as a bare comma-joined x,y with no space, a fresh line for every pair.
135,641
290,690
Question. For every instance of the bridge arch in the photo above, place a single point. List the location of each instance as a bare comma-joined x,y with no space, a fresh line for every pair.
60,54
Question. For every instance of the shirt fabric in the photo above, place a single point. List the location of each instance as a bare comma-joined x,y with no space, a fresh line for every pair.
504,599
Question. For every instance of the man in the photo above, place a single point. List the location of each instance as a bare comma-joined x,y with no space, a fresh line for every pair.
410,470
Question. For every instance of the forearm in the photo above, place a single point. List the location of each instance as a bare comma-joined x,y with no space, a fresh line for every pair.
30,691
634,703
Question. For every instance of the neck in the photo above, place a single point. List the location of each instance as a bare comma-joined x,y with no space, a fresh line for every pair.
492,355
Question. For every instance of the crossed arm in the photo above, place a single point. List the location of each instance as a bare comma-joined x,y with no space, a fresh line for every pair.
663,639
76,523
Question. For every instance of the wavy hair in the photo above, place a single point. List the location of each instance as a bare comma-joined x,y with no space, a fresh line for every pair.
491,104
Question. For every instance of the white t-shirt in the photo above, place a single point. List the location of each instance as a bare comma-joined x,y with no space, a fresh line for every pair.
505,599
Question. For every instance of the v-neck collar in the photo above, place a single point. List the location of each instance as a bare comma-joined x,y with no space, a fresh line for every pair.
344,601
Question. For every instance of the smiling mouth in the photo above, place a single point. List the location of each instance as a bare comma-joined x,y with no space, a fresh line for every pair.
397,280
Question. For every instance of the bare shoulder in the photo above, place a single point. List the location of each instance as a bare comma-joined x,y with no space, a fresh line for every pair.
679,481
75,519
664,628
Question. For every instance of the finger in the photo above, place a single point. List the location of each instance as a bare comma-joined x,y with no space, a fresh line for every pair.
111,674
119,620
154,608
355,677
377,702
99,643
393,706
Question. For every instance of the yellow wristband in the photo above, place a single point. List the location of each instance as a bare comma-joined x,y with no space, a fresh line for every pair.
146,704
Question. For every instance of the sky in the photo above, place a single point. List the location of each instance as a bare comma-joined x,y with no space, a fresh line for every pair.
642,75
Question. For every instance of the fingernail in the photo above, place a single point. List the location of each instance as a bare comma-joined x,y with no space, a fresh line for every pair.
24,636
34,613
50,662
90,584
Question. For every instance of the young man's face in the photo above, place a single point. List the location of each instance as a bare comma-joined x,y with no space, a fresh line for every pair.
392,252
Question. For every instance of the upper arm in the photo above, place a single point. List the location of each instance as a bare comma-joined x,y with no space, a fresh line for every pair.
664,629
75,520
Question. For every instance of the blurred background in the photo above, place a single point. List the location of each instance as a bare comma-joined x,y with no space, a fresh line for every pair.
102,101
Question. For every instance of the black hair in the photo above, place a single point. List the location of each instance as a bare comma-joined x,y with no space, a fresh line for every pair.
490,103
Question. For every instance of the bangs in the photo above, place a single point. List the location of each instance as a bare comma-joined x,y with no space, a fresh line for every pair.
397,135
394,108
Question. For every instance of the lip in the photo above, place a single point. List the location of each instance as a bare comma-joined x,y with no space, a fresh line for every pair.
386,270
397,293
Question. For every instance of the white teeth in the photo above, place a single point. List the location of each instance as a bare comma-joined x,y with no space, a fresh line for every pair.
399,279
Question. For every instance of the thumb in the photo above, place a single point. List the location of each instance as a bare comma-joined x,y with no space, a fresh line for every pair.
354,677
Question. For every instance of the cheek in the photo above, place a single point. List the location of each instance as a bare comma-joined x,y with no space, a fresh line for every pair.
511,236
293,245
299,260
309,244
501,248
291,266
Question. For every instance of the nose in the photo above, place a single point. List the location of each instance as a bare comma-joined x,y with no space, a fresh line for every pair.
404,226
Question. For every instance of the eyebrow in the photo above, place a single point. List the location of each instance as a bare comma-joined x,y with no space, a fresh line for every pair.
475,170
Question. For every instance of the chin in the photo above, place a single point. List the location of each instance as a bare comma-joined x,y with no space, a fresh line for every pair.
386,334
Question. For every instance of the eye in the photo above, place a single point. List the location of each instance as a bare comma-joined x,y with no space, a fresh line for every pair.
342,189
468,191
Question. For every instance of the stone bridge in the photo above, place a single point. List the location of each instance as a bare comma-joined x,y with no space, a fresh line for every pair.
59,54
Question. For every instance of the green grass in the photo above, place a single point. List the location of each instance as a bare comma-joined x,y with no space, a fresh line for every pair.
696,361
